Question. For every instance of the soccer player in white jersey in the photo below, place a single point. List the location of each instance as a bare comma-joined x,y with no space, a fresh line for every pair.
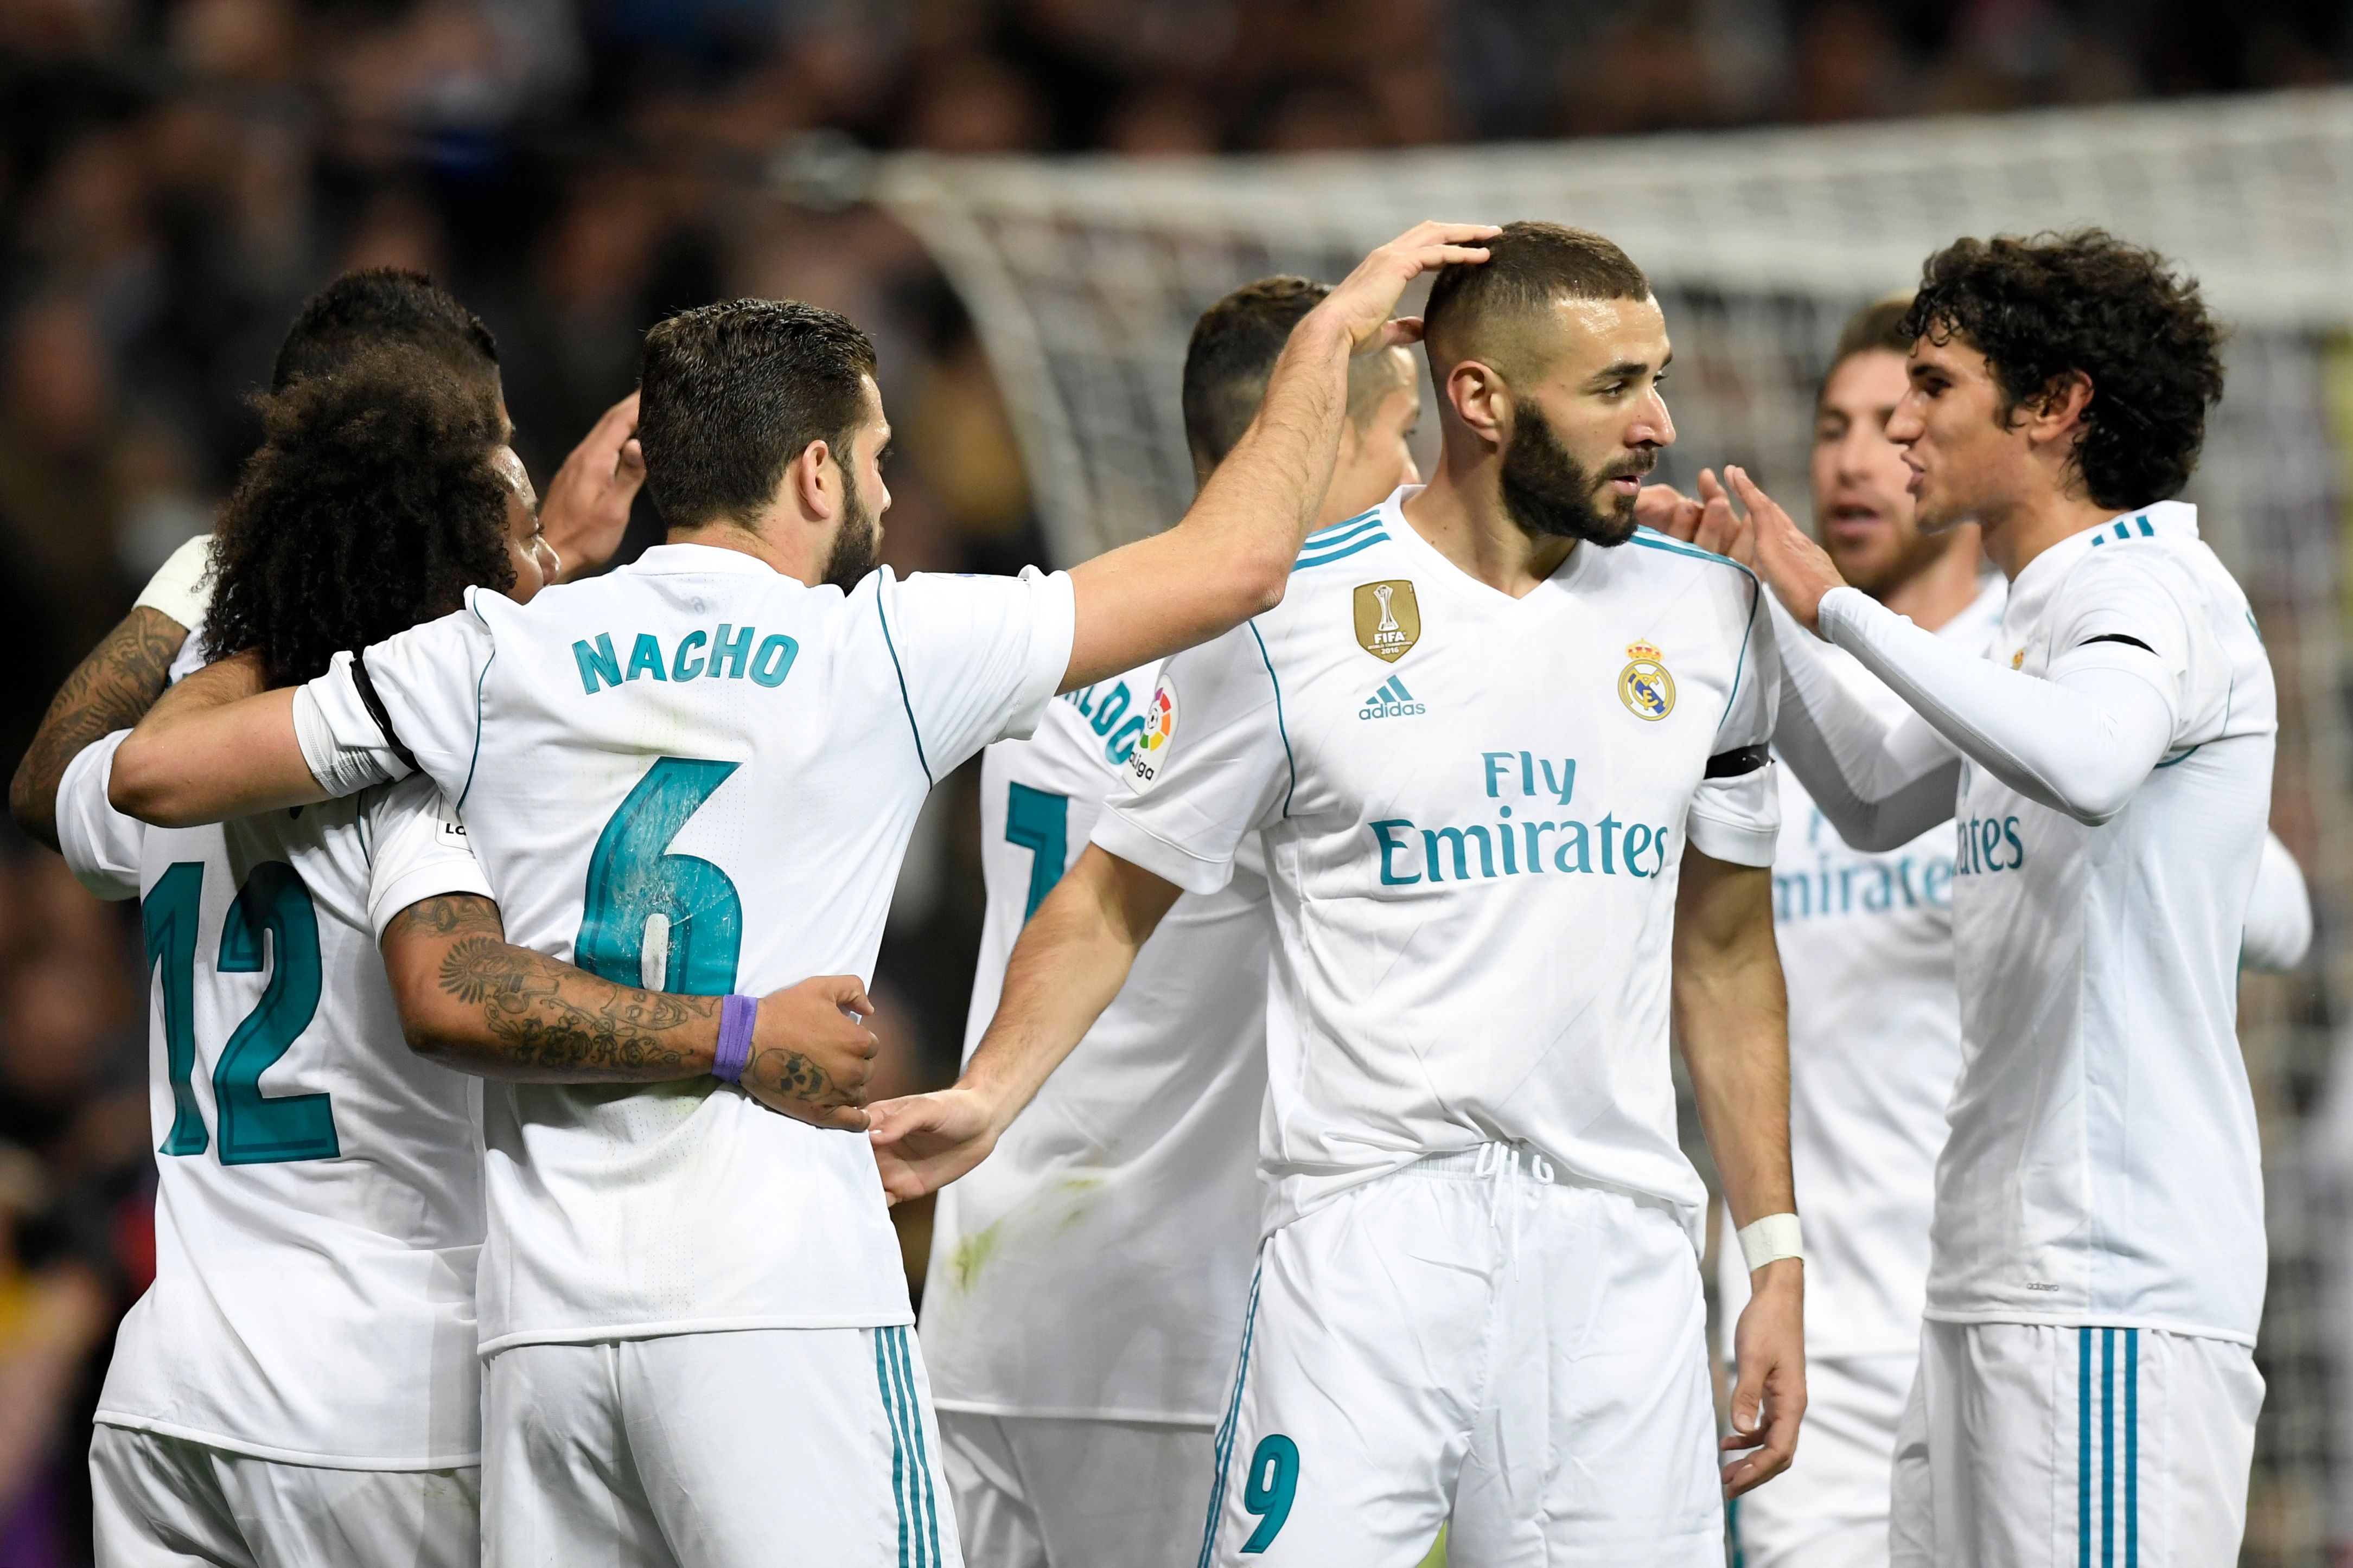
703,768
1087,1284
2087,1389
298,1384
1505,758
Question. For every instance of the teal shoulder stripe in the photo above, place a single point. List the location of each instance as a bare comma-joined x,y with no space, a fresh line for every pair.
1341,535
476,760
1346,525
1756,593
912,728
1651,539
1280,728
1305,561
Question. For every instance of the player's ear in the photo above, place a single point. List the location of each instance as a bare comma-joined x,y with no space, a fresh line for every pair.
1480,398
2056,413
815,482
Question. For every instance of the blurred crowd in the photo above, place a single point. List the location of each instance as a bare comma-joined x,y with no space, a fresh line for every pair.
176,177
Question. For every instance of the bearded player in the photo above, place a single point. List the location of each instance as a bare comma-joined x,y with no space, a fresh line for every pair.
1478,1296
1087,1285
2087,1381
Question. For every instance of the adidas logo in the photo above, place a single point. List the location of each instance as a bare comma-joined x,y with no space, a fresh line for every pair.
1391,701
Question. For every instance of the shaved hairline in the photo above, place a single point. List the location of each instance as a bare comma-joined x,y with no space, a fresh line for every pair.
1515,361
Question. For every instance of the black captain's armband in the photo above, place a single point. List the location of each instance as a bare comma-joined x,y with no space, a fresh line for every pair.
1732,765
375,706
2117,636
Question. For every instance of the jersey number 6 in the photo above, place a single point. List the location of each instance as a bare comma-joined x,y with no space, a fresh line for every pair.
668,922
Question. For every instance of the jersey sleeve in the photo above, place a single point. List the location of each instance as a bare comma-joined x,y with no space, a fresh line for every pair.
976,658
1212,767
2123,609
1736,814
417,849
100,844
427,689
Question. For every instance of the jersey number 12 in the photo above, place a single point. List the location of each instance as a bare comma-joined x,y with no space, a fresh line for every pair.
271,923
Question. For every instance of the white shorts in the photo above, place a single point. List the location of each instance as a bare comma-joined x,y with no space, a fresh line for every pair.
170,1502
1460,1339
775,1447
2028,1445
1828,1509
1041,1491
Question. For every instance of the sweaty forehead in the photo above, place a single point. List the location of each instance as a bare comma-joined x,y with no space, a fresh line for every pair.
1584,337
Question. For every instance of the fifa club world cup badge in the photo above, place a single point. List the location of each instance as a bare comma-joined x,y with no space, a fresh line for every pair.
1388,618
1645,686
1151,752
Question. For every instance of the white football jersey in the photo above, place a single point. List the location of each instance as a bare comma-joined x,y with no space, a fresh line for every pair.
1474,810
1866,945
319,1191
698,774
1098,1263
2104,1166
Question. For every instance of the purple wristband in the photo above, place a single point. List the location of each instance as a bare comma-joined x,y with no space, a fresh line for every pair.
736,1016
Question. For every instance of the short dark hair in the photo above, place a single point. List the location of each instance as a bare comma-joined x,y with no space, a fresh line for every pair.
732,393
1529,266
380,305
2043,307
1232,355
371,506
1877,326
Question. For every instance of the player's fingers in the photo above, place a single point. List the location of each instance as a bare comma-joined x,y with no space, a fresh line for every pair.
1751,496
633,459
1747,1397
1401,331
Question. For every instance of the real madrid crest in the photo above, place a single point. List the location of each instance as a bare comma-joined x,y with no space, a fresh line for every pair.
1645,686
1388,618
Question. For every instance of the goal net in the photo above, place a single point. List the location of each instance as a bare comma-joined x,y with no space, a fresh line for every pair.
1084,276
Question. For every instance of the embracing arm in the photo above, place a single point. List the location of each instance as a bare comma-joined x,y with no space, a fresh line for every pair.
1071,960
473,1001
1880,782
1731,1020
1230,557
214,747
108,691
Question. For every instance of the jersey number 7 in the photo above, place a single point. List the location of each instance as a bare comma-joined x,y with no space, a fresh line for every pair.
668,922
272,916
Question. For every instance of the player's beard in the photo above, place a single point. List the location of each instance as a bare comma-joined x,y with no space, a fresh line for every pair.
1548,492
858,548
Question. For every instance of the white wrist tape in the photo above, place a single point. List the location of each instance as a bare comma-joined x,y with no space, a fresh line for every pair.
1770,1239
339,770
182,588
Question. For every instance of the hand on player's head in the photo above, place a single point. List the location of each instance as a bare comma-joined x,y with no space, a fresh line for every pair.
1360,306
586,508
812,1054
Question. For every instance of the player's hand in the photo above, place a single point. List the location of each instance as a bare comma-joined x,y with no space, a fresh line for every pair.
1667,511
586,507
1360,306
926,1141
812,1053
1769,1400
1797,568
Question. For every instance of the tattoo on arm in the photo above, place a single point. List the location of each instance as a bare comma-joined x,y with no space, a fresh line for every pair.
551,1020
112,689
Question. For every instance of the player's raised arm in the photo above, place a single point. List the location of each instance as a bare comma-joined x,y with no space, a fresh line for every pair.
1229,558
586,508
1072,958
472,1000
113,686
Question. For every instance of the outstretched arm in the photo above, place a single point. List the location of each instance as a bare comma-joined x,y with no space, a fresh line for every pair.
1230,557
2079,740
1071,960
472,1000
1731,1020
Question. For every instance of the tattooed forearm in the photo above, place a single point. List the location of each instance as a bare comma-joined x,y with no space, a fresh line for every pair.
553,1021
112,689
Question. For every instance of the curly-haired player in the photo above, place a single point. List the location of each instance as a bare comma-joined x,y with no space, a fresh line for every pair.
2086,1382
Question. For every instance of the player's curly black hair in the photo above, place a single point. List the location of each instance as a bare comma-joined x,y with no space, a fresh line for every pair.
371,506
2043,307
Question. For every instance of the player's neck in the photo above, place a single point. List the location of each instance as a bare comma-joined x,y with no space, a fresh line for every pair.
2035,523
1941,589
1467,524
758,543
